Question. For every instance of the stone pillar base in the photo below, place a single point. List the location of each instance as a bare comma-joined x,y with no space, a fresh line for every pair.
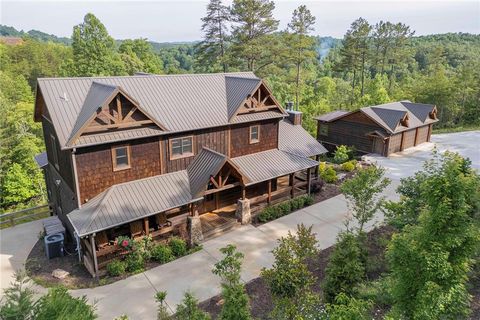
194,230
243,213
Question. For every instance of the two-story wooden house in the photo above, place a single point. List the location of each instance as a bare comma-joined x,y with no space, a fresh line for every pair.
156,155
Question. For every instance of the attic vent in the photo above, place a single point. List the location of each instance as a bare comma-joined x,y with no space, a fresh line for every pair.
64,97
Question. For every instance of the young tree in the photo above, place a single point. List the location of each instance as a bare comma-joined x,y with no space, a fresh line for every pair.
59,304
363,193
301,46
236,304
345,268
18,299
94,49
189,310
253,23
138,53
430,261
162,310
289,279
213,47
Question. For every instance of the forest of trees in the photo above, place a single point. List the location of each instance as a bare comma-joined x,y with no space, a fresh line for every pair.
372,64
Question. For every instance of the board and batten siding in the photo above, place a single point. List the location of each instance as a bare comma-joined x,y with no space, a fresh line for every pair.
240,138
95,167
351,130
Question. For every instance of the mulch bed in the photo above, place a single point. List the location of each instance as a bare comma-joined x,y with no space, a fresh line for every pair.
260,299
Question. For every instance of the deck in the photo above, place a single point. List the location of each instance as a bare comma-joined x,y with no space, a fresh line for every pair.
218,221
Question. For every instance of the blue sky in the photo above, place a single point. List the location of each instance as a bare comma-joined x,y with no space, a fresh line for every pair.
163,20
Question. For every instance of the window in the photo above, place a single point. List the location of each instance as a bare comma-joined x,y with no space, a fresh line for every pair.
254,134
323,129
121,158
54,151
181,147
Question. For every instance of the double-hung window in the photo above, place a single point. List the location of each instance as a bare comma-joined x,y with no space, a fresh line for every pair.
255,134
181,147
121,158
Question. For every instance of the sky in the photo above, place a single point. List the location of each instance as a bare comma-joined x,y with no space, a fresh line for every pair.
176,21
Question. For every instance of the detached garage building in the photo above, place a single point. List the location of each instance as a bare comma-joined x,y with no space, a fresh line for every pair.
382,129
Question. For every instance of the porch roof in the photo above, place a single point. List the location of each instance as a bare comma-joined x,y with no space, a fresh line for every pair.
130,201
262,166
294,139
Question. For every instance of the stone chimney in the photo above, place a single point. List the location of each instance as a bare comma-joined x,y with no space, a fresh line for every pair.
294,116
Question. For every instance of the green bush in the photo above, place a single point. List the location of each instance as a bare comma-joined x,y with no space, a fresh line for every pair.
59,304
162,253
341,154
329,175
135,262
284,208
349,166
116,268
178,246
308,201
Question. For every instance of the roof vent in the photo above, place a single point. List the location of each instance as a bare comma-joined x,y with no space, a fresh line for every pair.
64,97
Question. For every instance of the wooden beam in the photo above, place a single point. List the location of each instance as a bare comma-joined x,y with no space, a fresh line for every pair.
214,182
416,137
266,108
291,183
119,109
429,133
309,180
402,141
117,126
109,116
95,262
269,198
146,226
243,193
228,186
129,114
217,200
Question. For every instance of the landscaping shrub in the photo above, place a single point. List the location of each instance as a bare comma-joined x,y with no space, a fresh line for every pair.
162,253
349,166
341,155
284,208
322,166
188,309
178,246
116,268
134,262
59,304
317,186
329,175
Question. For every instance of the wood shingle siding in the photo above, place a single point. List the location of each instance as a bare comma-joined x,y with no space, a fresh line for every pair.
240,138
95,168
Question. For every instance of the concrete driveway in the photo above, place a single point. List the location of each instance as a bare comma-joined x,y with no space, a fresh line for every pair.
406,163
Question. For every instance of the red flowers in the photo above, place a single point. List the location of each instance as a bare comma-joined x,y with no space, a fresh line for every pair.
125,243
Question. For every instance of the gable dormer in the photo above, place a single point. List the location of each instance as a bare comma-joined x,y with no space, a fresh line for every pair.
260,100
433,113
108,108
404,120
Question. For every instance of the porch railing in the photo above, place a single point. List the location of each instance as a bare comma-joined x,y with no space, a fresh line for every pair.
11,219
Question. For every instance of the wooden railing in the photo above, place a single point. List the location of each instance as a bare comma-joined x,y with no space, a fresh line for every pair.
17,217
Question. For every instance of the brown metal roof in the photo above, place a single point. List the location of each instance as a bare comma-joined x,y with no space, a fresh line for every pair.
130,201
262,166
179,102
257,116
117,136
296,140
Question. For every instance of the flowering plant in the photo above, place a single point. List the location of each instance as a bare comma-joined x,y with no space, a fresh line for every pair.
125,243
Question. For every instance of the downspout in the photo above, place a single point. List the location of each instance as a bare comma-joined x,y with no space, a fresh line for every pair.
75,176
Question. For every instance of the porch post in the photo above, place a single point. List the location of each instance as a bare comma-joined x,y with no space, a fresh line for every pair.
292,184
194,225
269,198
146,226
402,141
416,137
94,252
216,200
243,193
317,158
309,180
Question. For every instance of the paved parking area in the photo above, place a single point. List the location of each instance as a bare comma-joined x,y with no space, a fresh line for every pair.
406,163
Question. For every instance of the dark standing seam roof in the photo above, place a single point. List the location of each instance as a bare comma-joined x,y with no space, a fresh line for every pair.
331,115
179,102
265,165
296,140
130,201
237,90
420,110
206,164
389,117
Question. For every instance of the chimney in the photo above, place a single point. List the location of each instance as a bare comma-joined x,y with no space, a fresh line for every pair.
294,116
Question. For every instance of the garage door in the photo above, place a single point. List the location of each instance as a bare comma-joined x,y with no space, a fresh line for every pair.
409,139
422,134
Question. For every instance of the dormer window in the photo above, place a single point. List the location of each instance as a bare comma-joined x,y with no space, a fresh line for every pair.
254,134
121,158
181,147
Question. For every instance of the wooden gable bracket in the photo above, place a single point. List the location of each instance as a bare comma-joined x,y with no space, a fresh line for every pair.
433,113
219,181
404,121
257,101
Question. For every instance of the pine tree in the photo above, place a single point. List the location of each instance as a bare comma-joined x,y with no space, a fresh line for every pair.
212,50
253,25
300,44
94,49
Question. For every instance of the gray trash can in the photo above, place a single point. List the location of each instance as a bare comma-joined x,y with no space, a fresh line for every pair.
54,245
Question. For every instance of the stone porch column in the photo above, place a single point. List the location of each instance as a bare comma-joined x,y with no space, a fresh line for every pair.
243,213
195,233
